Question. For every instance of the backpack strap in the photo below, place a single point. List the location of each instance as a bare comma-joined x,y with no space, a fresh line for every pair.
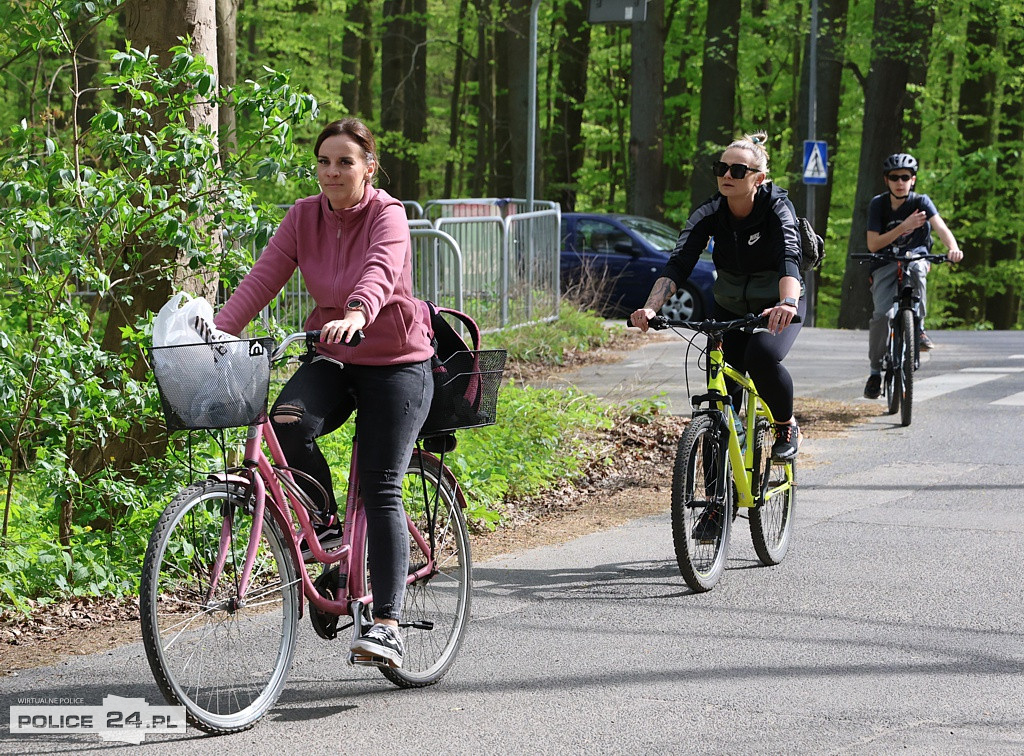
474,330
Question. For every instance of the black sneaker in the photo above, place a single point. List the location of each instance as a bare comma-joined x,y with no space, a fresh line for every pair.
787,442
924,342
873,388
708,525
329,536
381,646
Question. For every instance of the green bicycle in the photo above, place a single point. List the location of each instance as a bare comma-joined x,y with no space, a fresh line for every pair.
717,473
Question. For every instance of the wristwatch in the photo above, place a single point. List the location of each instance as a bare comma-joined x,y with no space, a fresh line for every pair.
355,304
788,301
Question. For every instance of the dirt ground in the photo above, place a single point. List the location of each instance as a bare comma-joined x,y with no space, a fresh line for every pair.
639,485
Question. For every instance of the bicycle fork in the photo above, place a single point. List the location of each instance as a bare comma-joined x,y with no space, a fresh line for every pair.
728,441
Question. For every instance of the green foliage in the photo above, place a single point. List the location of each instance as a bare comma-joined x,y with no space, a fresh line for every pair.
550,343
93,218
540,439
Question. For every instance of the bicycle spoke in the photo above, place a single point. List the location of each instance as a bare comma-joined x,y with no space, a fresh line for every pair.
771,521
226,657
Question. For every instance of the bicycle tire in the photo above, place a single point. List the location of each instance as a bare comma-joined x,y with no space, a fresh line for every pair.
435,609
906,327
224,661
893,384
701,498
771,520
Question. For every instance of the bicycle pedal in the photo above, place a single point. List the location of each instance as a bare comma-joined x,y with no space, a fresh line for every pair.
367,660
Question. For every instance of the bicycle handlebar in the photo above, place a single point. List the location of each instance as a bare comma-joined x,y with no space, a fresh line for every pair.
311,338
889,255
750,322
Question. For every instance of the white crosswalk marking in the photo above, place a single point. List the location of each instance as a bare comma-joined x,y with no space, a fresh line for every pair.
929,388
994,370
1014,400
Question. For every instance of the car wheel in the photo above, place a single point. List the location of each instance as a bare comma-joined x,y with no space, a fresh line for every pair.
685,304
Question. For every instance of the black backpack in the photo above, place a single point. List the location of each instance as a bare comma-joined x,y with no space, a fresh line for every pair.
812,246
466,378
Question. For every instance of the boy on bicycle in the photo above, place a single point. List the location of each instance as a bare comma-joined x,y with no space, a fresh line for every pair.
903,219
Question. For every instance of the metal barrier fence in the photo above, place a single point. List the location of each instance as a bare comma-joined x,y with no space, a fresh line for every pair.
487,257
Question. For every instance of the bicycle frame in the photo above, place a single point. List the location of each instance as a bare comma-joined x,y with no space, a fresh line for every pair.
263,479
742,459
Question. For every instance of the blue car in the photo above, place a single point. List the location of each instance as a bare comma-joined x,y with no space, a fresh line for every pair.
611,261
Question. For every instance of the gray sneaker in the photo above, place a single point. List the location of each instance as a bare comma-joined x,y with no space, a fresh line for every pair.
381,646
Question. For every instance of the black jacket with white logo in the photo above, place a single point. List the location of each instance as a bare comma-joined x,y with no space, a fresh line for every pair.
761,248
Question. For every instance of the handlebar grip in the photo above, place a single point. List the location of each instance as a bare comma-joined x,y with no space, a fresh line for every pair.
313,337
658,323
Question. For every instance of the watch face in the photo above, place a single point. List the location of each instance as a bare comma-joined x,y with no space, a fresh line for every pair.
355,304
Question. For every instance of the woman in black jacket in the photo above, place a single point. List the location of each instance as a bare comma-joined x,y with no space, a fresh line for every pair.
757,258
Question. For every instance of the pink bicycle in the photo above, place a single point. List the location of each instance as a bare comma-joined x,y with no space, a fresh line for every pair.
223,580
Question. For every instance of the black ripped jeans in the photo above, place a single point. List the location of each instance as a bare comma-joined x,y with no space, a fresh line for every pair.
760,356
393,402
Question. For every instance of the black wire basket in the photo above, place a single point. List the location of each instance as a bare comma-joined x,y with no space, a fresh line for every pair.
465,391
223,384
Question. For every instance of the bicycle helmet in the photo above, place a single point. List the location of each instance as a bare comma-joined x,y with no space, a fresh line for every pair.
898,161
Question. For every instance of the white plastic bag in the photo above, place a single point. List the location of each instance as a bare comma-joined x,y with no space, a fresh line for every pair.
178,320
209,378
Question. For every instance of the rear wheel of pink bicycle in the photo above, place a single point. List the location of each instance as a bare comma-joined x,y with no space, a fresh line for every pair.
222,657
435,610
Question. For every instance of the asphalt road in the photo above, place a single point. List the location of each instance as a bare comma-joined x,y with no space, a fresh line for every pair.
895,623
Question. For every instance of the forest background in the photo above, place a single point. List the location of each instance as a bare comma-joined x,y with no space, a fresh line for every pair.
146,146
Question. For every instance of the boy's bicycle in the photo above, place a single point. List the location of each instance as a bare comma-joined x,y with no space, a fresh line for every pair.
716,473
902,345
223,580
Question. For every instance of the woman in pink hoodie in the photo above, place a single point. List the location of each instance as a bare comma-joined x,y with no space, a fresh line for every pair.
351,243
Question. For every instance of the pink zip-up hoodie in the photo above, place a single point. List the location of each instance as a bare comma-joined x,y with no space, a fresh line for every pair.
362,252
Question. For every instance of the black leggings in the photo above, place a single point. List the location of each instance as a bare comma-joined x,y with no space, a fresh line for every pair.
760,356
393,402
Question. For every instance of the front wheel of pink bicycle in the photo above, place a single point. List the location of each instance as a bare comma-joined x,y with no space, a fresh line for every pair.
222,654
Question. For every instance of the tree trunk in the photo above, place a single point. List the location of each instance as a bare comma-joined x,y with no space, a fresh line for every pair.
414,124
351,57
227,56
455,102
978,135
1004,307
647,107
484,75
394,59
157,24
513,90
367,62
252,32
898,29
565,142
718,94
679,114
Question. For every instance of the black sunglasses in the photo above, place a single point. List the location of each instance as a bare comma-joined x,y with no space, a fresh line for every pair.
736,170
900,177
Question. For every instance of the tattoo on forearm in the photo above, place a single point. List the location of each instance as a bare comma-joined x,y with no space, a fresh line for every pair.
663,289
